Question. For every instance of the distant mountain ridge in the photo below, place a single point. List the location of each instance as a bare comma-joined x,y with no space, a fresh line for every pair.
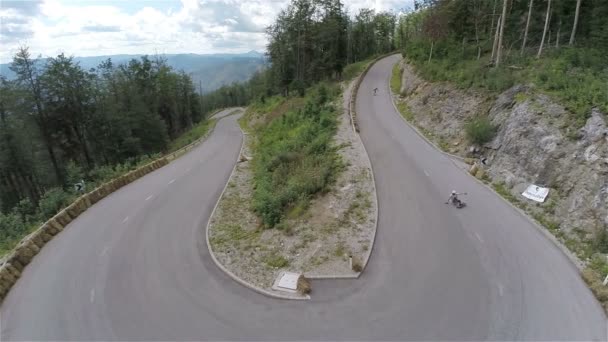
210,71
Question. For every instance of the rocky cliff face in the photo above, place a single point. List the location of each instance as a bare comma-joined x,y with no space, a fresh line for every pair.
535,143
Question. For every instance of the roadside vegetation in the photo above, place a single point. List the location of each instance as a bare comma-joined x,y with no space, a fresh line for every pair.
557,48
25,217
576,77
562,52
294,159
197,132
480,130
355,69
396,79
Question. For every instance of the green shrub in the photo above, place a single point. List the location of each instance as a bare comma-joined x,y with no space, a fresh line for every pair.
266,104
197,132
12,229
52,201
600,242
275,260
480,130
396,79
75,173
25,209
354,69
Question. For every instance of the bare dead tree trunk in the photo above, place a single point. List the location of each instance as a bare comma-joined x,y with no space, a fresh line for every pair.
502,29
542,41
523,45
495,44
477,40
559,28
463,42
431,53
492,25
550,29
578,8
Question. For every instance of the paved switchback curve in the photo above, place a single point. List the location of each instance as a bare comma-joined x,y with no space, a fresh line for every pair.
135,267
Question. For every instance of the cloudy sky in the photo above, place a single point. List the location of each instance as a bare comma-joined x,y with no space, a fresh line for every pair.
104,27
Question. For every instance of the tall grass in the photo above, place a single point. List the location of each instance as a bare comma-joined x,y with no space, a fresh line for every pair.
354,69
197,132
396,79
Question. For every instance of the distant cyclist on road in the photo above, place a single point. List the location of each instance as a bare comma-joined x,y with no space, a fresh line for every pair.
375,91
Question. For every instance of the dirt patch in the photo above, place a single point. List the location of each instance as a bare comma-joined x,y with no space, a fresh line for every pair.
317,241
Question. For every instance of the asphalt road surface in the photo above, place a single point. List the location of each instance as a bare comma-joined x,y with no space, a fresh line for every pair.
135,266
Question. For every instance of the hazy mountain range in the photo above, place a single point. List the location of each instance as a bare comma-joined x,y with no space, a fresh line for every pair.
209,71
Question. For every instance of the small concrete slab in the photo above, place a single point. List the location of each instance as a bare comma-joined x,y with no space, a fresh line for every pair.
286,282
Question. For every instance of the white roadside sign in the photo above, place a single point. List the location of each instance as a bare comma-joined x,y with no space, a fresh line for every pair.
536,193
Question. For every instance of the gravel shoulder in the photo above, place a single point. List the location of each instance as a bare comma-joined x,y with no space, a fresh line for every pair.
331,238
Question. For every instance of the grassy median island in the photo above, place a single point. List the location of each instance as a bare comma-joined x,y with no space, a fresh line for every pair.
294,159
302,198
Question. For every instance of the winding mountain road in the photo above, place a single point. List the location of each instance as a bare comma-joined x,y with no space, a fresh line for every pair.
135,266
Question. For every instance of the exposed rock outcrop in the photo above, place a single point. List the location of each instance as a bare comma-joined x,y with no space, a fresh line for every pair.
535,142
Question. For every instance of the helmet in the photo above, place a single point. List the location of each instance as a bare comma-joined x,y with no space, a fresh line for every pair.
453,192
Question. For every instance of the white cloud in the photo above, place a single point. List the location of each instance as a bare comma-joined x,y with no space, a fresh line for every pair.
199,26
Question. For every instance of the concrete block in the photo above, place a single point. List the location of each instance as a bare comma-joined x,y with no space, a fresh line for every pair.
13,270
13,259
93,197
55,224
5,285
46,237
6,275
62,218
48,228
82,206
72,211
110,187
37,240
31,245
86,200
102,192
25,253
